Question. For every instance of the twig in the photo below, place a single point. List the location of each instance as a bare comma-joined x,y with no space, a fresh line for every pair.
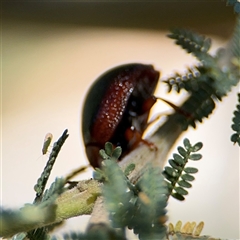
42,181
74,202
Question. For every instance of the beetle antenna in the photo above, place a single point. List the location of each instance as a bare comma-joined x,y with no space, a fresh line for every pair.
176,108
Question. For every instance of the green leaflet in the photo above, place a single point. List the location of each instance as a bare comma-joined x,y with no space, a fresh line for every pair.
177,174
208,81
235,138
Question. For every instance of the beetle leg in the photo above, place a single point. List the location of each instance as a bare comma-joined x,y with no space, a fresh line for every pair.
134,138
151,145
148,103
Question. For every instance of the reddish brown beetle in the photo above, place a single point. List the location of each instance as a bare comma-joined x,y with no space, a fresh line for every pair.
117,108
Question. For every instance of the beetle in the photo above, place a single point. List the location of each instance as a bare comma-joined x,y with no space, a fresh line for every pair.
117,107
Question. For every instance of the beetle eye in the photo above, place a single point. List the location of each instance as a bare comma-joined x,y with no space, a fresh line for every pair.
134,103
133,108
132,113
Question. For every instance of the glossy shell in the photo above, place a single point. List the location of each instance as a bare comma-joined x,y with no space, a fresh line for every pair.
117,107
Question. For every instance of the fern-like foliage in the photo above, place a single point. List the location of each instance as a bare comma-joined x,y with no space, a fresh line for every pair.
236,124
97,231
188,229
150,206
235,47
235,4
140,207
117,194
48,199
178,176
206,83
31,215
192,43
42,180
49,196
43,208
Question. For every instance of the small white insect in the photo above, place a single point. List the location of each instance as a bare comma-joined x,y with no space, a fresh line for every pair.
47,141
